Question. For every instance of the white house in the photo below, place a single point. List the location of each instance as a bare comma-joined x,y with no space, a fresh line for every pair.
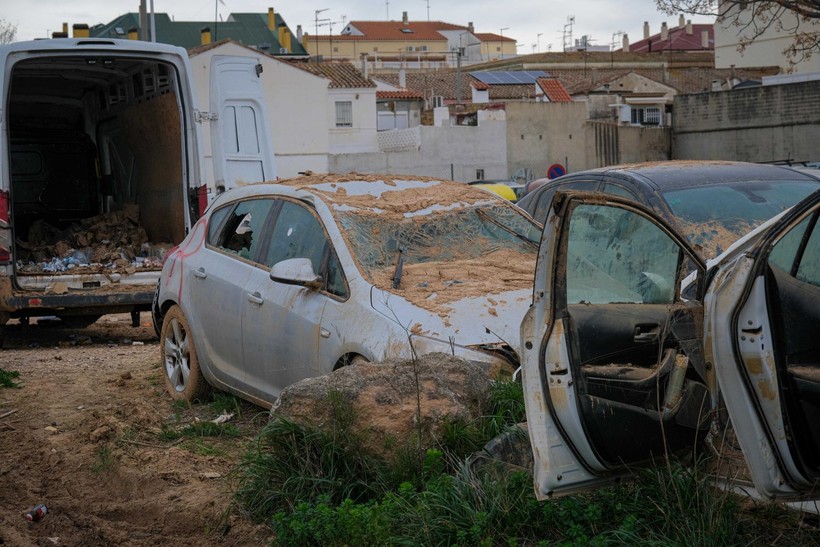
768,49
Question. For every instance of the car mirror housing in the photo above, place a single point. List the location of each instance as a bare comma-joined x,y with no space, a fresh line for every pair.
296,271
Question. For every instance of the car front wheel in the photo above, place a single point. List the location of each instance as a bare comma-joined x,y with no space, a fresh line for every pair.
183,377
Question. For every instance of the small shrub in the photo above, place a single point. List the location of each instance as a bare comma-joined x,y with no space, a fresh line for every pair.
7,378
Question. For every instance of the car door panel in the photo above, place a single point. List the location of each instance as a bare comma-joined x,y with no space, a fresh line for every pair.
617,386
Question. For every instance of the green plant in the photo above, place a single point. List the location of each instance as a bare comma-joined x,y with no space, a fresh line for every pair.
225,403
105,460
7,378
199,429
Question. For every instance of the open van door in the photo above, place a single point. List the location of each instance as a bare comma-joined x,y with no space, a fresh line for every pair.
240,138
614,368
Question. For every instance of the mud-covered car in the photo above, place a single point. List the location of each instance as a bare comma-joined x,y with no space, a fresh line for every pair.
620,367
712,203
283,281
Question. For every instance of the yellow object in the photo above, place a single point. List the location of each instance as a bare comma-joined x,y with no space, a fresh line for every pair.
500,189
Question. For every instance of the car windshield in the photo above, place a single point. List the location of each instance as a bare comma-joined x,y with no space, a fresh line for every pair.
715,216
467,250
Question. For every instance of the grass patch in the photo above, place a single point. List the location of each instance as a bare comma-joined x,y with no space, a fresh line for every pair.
7,378
203,448
225,403
199,429
105,460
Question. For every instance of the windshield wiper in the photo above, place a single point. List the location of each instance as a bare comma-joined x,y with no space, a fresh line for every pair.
399,267
484,216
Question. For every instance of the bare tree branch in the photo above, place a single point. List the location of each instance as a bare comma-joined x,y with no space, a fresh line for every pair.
8,32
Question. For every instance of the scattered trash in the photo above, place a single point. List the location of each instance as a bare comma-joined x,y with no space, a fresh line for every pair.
52,429
137,343
37,513
210,475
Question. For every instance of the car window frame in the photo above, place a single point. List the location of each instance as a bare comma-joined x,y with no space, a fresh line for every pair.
562,184
218,234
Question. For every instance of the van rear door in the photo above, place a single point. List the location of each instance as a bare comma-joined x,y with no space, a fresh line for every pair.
241,143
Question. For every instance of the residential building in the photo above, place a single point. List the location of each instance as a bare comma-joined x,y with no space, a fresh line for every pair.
744,39
409,44
685,37
264,31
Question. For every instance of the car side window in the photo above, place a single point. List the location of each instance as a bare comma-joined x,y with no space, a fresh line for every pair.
242,232
215,223
545,199
809,268
785,250
616,256
618,190
299,234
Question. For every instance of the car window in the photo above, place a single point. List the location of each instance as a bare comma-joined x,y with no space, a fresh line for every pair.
809,268
615,255
542,208
618,190
297,233
215,223
242,232
785,250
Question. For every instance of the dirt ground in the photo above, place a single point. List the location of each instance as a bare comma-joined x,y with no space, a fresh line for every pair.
83,434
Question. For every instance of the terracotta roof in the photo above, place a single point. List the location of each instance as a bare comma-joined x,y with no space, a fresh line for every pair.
404,94
677,39
481,86
444,84
490,37
341,74
554,90
396,30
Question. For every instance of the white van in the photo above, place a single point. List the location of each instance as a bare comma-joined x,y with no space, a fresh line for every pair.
100,169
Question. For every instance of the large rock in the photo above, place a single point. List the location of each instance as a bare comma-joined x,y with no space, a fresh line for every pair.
381,401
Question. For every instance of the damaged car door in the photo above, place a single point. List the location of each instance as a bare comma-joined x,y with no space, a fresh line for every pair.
617,370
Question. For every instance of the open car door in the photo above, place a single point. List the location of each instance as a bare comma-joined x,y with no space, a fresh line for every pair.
613,367
763,334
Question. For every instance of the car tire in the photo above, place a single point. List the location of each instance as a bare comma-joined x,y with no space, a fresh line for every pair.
183,377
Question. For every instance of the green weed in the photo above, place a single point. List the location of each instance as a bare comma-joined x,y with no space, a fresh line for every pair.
7,378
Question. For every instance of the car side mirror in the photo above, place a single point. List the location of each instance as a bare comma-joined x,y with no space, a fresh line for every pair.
296,271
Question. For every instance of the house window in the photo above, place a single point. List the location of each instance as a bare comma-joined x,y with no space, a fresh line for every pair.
646,116
479,174
498,48
344,114
336,50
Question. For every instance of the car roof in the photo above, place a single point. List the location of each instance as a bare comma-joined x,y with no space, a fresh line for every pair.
668,175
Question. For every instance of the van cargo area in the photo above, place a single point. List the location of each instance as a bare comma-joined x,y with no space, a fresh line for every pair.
97,185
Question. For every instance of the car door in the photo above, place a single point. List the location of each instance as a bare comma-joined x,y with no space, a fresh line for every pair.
612,364
284,338
763,333
218,275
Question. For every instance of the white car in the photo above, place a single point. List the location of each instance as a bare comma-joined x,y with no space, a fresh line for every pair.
618,367
283,281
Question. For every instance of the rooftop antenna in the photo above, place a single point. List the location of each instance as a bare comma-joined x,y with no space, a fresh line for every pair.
387,7
428,9
616,37
568,32
316,27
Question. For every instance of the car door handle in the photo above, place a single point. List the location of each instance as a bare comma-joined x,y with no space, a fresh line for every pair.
256,298
200,273
647,333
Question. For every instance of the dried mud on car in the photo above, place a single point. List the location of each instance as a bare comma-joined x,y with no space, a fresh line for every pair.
83,434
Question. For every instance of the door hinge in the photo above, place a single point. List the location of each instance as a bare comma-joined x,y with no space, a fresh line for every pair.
205,116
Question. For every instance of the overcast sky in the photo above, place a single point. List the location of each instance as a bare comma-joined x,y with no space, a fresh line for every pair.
522,20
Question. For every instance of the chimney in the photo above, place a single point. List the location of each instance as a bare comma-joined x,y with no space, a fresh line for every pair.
299,33
402,79
364,65
689,27
681,21
704,39
404,19
205,36
271,20
65,29
664,32
646,30
133,33
625,43
81,31
59,35
287,35
470,28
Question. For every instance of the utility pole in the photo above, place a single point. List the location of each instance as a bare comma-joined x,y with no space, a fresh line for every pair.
502,40
459,51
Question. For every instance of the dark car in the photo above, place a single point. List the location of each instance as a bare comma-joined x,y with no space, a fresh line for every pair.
712,203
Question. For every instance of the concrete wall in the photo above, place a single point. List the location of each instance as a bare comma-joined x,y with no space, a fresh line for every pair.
466,148
362,136
770,123
541,134
611,144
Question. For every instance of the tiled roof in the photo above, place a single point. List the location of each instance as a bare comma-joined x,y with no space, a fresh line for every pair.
490,37
405,94
554,90
481,86
245,28
677,39
342,75
396,30
444,85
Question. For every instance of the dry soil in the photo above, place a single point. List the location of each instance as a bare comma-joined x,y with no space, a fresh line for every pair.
86,433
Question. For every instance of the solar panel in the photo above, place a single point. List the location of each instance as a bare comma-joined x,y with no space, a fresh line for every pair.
509,77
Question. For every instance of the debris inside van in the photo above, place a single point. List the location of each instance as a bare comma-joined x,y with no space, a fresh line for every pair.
111,241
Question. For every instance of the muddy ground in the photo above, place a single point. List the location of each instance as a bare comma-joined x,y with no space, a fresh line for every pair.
87,434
